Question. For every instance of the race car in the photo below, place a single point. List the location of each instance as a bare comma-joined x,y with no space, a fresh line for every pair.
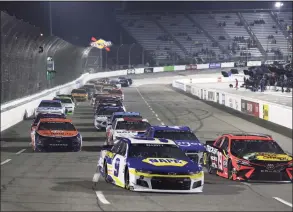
152,165
103,115
109,102
79,94
67,103
67,95
45,115
248,157
115,82
117,115
125,82
90,89
117,93
182,136
126,127
50,106
56,134
96,97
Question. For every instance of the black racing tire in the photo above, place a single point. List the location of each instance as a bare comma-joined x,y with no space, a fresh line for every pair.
105,172
230,170
126,179
208,166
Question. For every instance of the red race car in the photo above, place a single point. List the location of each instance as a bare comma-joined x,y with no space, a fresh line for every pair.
248,157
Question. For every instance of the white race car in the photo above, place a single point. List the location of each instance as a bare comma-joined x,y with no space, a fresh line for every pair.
67,103
152,165
50,106
103,116
125,127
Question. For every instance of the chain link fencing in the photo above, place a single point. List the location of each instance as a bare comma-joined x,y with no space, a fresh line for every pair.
24,68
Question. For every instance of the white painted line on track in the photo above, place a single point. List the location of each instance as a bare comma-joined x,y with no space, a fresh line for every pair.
21,151
248,184
102,198
6,161
162,123
283,201
156,115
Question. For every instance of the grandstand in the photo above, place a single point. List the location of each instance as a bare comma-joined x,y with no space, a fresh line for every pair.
199,36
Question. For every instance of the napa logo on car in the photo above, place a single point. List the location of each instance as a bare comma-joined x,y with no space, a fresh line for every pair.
165,162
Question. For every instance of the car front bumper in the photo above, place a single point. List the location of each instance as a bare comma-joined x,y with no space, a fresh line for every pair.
139,181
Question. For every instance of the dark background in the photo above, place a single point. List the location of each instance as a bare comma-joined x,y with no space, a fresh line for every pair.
77,22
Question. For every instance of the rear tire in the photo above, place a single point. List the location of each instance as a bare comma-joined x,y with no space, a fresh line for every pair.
230,170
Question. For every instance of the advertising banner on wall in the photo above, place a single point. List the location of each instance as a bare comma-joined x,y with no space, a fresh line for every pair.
250,108
130,71
168,68
191,67
148,70
218,97
223,99
215,65
266,112
211,96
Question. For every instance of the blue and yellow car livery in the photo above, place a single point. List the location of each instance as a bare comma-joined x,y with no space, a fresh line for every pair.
154,165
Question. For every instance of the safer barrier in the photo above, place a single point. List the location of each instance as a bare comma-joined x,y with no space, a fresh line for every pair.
275,113
15,111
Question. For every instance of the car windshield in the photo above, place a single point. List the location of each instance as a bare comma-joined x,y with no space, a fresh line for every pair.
242,147
41,116
175,135
156,151
118,103
66,101
132,125
65,126
124,116
50,104
109,112
80,91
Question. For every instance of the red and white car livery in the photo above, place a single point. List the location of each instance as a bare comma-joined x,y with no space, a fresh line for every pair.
126,127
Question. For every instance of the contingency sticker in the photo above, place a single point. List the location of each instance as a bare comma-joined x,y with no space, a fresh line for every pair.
165,162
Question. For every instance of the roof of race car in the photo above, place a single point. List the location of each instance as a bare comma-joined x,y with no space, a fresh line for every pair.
110,107
55,120
131,119
51,101
61,97
135,140
171,128
126,113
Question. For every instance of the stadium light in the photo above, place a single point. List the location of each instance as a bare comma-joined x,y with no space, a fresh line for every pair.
278,4
41,34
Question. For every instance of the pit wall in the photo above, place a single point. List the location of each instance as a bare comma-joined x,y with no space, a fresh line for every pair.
20,109
271,112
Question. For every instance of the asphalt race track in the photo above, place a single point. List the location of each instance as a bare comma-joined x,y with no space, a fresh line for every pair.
63,181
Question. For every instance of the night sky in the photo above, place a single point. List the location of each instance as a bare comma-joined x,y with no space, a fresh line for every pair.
76,22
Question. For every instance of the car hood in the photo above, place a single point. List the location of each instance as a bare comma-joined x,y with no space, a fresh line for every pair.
57,133
190,145
128,132
102,117
164,165
264,156
67,104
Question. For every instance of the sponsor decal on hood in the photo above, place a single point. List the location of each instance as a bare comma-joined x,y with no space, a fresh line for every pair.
267,157
57,133
165,162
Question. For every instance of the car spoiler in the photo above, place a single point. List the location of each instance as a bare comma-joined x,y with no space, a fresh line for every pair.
210,142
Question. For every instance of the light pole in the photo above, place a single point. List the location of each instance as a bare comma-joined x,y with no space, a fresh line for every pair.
117,61
131,46
50,18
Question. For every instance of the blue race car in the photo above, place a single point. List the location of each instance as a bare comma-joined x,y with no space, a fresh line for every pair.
152,165
183,137
103,115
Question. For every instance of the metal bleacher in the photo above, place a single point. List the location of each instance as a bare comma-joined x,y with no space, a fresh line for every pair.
262,31
178,23
196,31
234,30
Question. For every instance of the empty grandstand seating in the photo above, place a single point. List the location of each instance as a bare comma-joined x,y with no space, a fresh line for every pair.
195,32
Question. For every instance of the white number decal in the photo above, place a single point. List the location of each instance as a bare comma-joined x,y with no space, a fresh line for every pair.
220,159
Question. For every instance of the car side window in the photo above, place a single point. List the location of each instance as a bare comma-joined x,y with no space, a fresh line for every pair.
116,147
122,150
114,124
225,143
219,141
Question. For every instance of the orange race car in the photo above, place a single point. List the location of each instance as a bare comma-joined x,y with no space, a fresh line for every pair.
56,134
248,157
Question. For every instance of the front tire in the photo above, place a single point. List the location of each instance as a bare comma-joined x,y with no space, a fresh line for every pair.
126,179
230,170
